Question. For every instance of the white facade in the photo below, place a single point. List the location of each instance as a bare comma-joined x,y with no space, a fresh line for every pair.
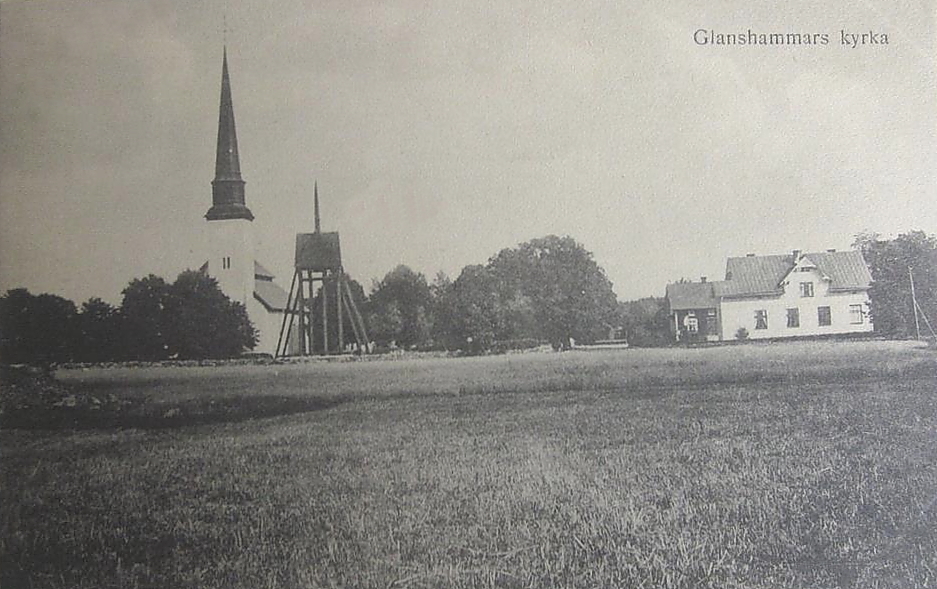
806,307
776,296
267,323
231,261
232,264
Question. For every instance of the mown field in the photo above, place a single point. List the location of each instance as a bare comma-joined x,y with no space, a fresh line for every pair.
795,465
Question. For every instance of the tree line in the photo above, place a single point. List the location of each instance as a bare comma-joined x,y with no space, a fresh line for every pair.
548,290
187,319
894,264
545,291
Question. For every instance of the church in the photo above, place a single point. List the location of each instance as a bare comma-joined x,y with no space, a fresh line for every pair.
230,235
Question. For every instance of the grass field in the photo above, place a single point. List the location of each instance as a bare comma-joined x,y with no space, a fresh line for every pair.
797,465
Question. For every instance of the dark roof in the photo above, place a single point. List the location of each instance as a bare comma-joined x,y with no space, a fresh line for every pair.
691,295
846,270
751,275
261,272
762,275
227,189
270,294
227,163
318,251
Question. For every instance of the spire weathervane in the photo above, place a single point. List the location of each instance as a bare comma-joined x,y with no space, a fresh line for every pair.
316,205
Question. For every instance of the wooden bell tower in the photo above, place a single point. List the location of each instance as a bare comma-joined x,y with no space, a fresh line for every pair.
318,265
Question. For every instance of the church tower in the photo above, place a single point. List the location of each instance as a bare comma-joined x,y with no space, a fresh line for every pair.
231,243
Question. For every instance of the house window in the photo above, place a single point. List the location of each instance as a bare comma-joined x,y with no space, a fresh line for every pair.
225,262
855,314
793,317
823,316
761,319
806,289
692,323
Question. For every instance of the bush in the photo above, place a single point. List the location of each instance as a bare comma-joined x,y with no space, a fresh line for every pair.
741,334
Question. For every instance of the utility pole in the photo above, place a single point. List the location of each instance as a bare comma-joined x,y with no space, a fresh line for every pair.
917,322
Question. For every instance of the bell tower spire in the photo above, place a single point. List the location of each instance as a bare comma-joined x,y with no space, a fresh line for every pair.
316,200
227,189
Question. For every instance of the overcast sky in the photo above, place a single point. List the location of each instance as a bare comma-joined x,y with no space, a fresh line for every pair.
442,132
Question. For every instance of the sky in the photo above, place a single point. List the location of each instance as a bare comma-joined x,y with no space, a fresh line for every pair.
442,132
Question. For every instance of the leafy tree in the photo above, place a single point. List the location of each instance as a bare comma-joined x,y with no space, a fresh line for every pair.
469,315
440,286
646,322
567,292
190,318
201,322
440,319
100,332
386,323
889,261
357,294
400,307
545,289
36,329
145,320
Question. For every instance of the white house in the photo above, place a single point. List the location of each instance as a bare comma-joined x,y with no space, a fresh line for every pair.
777,296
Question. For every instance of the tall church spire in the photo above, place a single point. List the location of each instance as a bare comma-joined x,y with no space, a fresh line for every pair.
227,189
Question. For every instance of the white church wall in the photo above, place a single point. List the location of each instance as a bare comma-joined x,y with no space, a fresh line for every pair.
232,258
267,325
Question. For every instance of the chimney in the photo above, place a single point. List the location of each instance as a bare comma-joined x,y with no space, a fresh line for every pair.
796,254
702,279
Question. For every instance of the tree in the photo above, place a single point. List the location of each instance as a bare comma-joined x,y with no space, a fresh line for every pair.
469,314
569,296
646,322
547,289
190,318
386,323
400,307
201,322
356,291
889,262
145,321
100,332
36,329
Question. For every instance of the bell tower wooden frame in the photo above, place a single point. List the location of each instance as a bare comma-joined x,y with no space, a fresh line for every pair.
318,264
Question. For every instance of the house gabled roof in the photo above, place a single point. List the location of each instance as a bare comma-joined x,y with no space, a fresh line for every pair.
762,275
691,295
754,275
846,270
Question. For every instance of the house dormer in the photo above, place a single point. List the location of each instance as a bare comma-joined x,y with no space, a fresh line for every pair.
804,276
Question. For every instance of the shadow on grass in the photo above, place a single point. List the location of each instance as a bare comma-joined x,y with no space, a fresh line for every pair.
161,416
31,398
